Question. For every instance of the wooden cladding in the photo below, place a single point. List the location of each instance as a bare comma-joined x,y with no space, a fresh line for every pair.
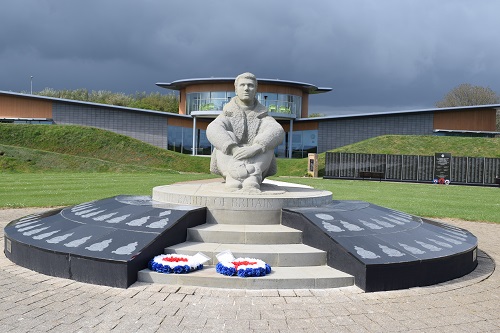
299,126
206,87
470,120
182,122
19,107
201,123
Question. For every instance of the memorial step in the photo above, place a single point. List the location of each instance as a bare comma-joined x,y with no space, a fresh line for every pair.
307,277
244,234
284,255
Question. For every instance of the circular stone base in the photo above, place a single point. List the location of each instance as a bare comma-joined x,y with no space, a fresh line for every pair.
241,207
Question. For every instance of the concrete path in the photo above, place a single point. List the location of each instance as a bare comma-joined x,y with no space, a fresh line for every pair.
31,302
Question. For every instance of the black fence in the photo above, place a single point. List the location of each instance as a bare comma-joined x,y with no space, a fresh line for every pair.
413,168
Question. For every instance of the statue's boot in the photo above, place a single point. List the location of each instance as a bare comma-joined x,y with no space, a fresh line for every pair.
252,184
232,184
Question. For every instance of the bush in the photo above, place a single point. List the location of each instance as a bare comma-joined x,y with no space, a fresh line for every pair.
141,100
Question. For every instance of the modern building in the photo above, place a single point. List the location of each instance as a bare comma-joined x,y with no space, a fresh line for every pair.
287,101
201,100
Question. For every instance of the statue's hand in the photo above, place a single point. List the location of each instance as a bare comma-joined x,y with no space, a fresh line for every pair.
241,153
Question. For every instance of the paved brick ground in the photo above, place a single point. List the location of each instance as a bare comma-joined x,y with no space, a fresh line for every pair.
32,302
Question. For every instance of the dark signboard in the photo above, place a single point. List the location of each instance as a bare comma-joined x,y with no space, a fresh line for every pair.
442,168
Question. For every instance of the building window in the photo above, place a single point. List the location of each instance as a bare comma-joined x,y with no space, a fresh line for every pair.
215,101
303,143
180,139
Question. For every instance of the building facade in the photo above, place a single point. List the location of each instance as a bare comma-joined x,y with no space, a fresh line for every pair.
201,100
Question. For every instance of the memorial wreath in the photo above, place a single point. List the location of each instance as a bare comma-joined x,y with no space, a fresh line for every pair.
174,263
243,267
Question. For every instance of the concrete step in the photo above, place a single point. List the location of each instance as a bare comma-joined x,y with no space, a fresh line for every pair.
284,255
244,234
257,217
316,277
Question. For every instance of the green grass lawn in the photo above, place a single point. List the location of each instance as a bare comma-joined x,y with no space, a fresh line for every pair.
65,188
471,203
439,201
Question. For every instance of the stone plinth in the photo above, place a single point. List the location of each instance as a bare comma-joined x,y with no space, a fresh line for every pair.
240,207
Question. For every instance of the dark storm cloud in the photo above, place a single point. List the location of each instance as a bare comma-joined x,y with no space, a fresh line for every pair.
376,55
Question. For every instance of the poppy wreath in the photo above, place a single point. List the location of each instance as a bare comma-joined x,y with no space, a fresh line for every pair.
174,264
243,267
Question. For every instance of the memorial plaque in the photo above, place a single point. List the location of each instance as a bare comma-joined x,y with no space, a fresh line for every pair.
491,170
331,164
348,165
363,162
459,171
442,167
425,168
475,170
409,167
378,162
393,167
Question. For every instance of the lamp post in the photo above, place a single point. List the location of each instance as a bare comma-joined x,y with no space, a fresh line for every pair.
31,85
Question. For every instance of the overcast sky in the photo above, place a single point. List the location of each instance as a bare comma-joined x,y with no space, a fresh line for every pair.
376,55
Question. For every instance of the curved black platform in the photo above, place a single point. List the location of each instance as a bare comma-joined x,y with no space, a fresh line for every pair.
108,241
101,242
385,249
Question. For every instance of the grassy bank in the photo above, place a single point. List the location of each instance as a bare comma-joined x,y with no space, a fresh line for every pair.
426,145
89,142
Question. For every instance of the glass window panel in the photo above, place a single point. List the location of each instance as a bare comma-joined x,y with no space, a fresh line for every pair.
218,99
193,102
205,103
296,140
187,140
297,106
310,139
218,94
204,146
174,138
281,150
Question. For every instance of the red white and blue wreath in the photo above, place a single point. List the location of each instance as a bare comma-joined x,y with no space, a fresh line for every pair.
243,267
175,264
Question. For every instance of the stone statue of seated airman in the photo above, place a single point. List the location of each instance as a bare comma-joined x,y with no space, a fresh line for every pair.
244,137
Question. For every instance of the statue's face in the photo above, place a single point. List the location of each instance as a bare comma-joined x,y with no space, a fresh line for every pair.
246,90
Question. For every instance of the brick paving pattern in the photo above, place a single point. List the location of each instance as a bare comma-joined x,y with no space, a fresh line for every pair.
32,302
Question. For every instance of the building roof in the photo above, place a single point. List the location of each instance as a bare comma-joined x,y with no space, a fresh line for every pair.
384,113
343,116
72,101
305,87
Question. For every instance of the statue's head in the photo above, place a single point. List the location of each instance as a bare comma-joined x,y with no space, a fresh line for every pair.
245,87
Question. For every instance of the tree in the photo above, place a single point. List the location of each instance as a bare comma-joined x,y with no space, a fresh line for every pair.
315,115
468,95
152,101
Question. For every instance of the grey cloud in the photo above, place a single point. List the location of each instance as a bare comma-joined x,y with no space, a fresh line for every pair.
375,55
